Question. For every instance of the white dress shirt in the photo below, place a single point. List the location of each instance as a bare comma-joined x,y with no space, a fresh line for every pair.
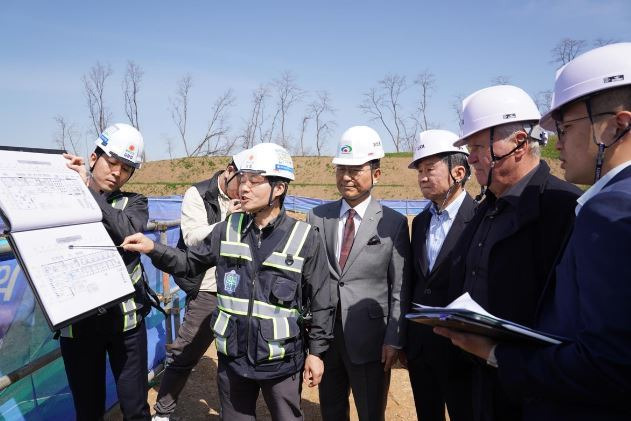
439,226
194,226
360,211
598,186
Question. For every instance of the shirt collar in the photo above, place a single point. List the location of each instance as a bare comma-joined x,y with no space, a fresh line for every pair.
452,209
360,209
599,185
222,194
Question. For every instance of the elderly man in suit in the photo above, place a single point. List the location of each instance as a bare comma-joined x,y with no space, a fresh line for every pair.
367,246
588,376
437,375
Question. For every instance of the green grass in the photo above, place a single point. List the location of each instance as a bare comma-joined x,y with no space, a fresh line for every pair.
398,154
549,151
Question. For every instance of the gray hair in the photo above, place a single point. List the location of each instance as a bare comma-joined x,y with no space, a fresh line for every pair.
507,130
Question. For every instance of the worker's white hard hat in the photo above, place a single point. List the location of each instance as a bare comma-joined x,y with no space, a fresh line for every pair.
434,142
123,142
268,159
494,106
599,69
358,145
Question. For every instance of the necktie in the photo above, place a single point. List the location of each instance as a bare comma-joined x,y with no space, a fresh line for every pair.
347,238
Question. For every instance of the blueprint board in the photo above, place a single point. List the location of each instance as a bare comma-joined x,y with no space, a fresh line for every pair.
48,208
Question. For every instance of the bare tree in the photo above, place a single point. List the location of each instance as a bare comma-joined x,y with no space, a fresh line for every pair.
217,128
319,109
601,42
384,104
303,129
566,50
501,80
456,105
427,83
66,135
94,84
254,125
543,100
179,108
288,93
131,87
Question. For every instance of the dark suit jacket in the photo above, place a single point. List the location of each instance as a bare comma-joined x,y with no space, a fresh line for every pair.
589,377
373,287
519,264
431,288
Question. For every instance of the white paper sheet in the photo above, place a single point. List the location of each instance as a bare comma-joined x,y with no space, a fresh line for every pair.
38,190
71,282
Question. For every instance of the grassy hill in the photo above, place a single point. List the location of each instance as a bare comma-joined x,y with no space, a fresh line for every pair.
315,176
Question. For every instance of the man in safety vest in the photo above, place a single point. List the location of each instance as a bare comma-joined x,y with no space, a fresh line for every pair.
204,206
118,331
272,292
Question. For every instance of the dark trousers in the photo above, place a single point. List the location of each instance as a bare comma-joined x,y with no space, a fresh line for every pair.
84,358
238,395
194,338
368,382
433,387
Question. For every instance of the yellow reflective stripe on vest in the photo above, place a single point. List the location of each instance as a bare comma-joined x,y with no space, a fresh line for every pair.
288,259
276,351
232,245
260,309
120,204
282,261
129,307
66,332
281,328
236,250
220,326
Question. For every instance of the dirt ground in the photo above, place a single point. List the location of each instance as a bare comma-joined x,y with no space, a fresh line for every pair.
199,400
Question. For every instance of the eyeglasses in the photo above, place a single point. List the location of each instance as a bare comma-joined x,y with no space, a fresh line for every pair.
562,126
252,179
353,172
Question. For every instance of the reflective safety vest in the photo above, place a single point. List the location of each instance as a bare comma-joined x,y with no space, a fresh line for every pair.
259,308
128,308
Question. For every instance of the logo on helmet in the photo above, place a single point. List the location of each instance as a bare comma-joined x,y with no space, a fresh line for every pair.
104,139
511,115
346,149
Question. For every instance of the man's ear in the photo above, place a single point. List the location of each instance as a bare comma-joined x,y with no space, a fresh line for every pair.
376,174
623,121
459,173
521,138
92,160
279,189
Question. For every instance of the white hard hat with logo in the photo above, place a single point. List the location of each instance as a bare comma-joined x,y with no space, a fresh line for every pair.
268,159
123,142
594,71
494,106
434,142
358,145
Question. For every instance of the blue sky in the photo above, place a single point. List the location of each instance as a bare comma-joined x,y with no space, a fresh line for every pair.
343,47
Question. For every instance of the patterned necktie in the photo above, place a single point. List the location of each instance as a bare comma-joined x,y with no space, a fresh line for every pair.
347,238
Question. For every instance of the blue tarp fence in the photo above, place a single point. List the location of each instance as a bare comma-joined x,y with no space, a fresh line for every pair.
25,336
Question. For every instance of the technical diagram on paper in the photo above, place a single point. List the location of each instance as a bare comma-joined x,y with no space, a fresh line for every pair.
71,282
37,188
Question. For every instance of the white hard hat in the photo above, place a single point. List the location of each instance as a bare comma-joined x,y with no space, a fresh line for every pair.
268,159
358,145
494,106
599,69
239,158
434,142
123,142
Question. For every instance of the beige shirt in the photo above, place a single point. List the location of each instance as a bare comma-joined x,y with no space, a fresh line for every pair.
194,226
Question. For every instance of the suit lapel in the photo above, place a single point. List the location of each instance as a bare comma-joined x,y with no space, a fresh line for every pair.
421,235
330,234
366,229
464,214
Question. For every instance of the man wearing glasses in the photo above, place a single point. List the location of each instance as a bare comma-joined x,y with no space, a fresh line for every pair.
588,376
273,300
367,246
509,247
